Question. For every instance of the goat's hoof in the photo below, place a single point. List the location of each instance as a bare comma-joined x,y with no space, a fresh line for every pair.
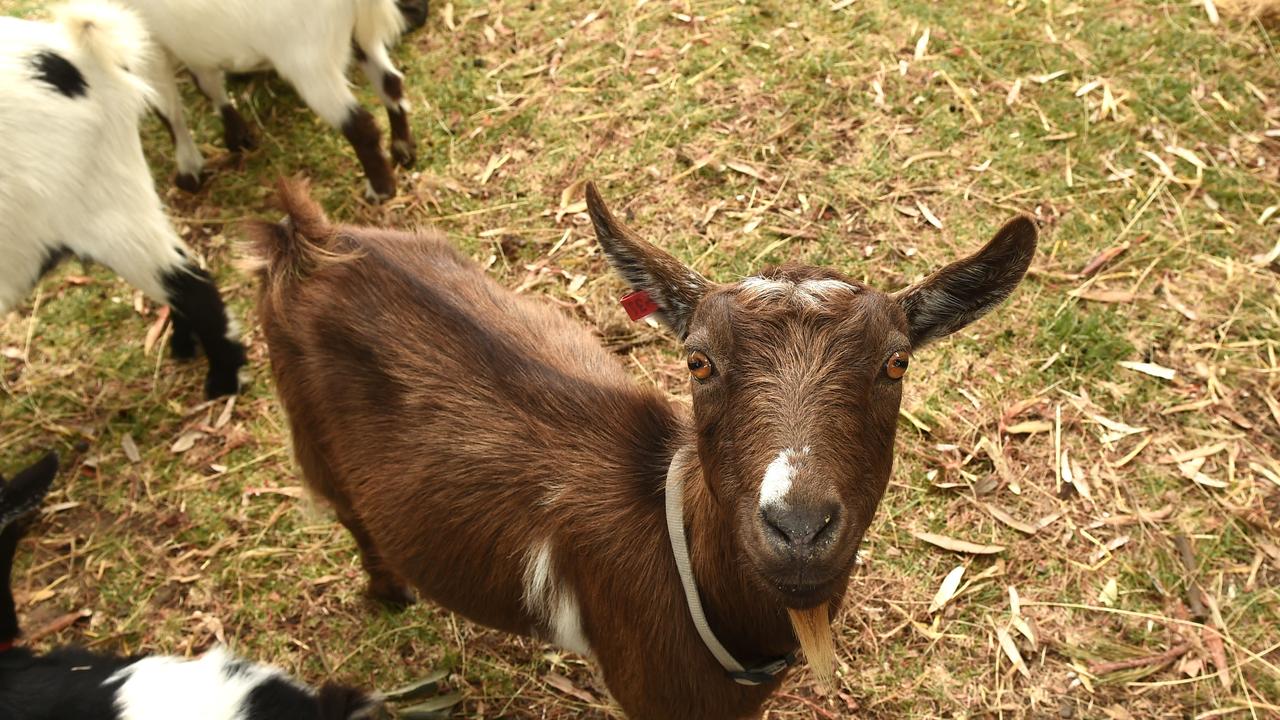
224,371
241,143
189,182
378,196
220,384
390,594
182,345
404,152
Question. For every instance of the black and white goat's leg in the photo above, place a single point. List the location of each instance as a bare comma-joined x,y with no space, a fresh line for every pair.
168,104
389,84
325,91
197,309
235,131
167,271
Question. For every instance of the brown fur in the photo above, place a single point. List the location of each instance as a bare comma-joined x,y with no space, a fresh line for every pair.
456,427
362,132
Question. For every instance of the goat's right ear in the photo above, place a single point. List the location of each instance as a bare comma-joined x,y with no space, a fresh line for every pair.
967,289
674,287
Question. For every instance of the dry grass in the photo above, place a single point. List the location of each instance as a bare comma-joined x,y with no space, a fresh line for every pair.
1130,519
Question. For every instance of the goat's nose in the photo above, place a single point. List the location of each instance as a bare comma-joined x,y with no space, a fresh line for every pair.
800,526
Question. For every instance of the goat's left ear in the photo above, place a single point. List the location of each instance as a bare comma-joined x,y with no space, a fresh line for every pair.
339,702
674,287
967,289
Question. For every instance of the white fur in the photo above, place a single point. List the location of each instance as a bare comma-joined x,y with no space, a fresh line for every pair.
72,172
307,41
779,475
809,292
553,605
155,688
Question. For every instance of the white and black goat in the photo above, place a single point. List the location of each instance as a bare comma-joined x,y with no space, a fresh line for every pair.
76,684
73,179
309,43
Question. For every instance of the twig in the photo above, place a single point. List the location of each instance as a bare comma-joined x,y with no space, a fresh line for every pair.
1162,659
59,624
1194,597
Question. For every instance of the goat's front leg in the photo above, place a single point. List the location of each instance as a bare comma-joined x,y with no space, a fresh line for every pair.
168,104
324,89
198,310
389,83
161,266
235,131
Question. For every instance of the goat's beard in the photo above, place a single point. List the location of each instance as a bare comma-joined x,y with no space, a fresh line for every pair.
813,629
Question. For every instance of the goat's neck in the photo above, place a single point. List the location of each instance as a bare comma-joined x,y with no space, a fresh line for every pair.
746,620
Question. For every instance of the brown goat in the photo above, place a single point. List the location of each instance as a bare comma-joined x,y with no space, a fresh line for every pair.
484,448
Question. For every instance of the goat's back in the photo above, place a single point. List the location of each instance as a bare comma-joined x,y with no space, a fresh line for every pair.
457,422
71,164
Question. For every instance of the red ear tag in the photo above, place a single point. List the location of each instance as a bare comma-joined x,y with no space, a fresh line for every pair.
639,305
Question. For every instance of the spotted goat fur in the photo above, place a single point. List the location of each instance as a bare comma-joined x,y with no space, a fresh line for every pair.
75,684
309,43
73,179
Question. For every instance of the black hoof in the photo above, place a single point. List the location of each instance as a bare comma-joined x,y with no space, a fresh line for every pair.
378,193
241,143
182,345
188,182
404,153
390,595
224,373
235,131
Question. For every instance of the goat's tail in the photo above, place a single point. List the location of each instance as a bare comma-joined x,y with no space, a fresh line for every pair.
18,497
112,37
378,23
285,252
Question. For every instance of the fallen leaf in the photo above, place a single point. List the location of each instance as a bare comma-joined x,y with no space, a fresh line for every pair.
1218,654
1200,452
1102,258
1008,519
156,330
1211,11
1029,427
947,590
744,168
1110,593
495,161
130,448
566,686
928,215
1011,651
960,546
922,45
186,441
1104,296
420,688
1151,369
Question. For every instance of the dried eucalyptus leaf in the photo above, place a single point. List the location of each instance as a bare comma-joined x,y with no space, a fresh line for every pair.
417,689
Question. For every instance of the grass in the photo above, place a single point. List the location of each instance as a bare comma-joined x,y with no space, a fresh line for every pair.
737,134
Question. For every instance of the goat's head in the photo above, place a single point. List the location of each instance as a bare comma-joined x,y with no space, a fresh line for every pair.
796,378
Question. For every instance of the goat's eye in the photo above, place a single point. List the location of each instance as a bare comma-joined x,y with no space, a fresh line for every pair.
897,364
699,365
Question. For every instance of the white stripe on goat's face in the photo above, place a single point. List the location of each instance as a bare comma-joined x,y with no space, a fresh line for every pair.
552,603
779,475
213,687
807,292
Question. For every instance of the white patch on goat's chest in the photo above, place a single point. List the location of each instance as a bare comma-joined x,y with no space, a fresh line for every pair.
778,476
552,603
213,687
